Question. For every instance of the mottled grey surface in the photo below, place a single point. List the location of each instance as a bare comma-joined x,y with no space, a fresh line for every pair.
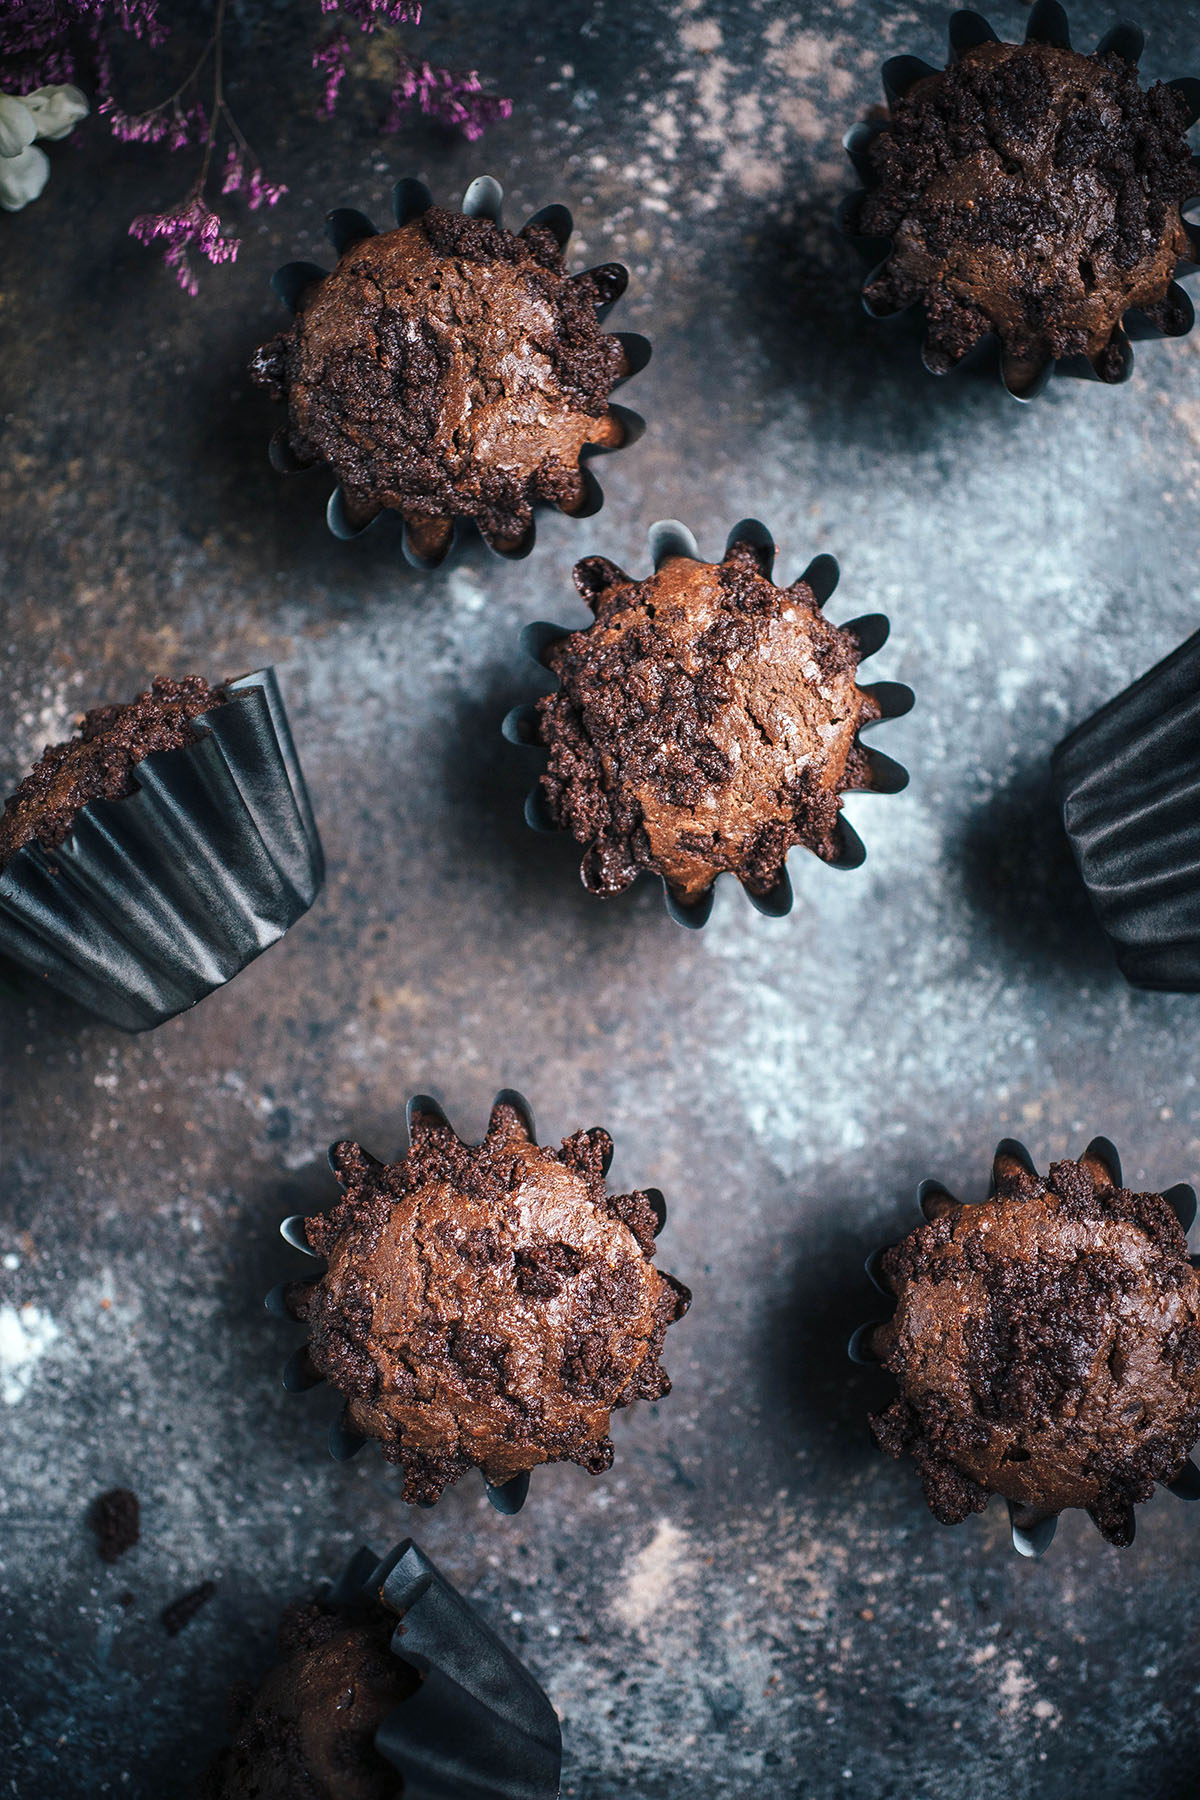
753,1602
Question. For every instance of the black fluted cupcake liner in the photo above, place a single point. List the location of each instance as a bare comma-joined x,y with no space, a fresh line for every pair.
1047,24
346,226
299,1373
1128,787
160,896
1032,1532
669,538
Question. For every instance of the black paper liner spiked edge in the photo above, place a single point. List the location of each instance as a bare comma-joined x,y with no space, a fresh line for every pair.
158,897
1047,24
669,538
1032,1531
299,1373
1127,783
346,226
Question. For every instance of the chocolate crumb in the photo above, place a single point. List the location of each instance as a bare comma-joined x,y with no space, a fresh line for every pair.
182,1611
115,1518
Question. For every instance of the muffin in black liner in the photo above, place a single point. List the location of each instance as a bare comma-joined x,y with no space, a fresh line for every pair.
475,1725
1032,1529
300,1374
1128,782
881,774
1047,24
160,896
346,226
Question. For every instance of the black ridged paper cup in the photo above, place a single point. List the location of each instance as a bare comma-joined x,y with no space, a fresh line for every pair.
1128,786
1032,1532
158,897
346,226
668,538
299,1373
1047,24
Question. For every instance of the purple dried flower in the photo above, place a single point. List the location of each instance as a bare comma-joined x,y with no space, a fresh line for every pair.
192,225
331,57
454,96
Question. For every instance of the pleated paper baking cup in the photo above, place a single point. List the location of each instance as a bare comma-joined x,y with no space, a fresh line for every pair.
1128,786
1032,1531
160,896
483,199
668,538
300,1374
1047,24
478,1726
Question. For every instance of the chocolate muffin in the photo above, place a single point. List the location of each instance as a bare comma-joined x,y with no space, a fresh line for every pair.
486,1306
707,721
1034,192
310,1728
1046,1344
98,763
451,369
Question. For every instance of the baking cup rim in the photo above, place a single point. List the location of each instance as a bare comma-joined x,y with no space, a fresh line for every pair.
483,197
1032,1532
105,820
668,537
343,1442
1047,23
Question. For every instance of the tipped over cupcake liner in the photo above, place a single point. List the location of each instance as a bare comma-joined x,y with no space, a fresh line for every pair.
668,538
1127,783
158,897
478,1726
1047,24
1032,1531
483,199
299,1373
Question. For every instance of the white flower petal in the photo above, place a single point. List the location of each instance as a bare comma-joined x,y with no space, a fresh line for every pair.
17,128
23,177
56,110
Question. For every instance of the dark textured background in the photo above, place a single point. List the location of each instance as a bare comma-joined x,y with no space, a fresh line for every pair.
753,1602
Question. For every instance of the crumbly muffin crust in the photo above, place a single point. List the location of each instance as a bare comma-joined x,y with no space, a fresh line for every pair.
310,1728
1035,192
100,761
487,1306
451,370
706,721
1047,1348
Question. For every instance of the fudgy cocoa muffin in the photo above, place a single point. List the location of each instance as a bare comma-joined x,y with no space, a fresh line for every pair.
451,369
310,1728
1035,192
706,721
1047,1347
486,1306
98,763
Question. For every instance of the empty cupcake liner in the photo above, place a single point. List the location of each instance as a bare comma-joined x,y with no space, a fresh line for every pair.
346,226
669,538
1127,783
1047,24
299,1373
478,1727
159,897
1032,1532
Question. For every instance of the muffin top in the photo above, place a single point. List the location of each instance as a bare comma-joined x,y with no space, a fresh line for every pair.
98,763
706,721
1035,192
486,1306
451,370
310,1729
1047,1347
